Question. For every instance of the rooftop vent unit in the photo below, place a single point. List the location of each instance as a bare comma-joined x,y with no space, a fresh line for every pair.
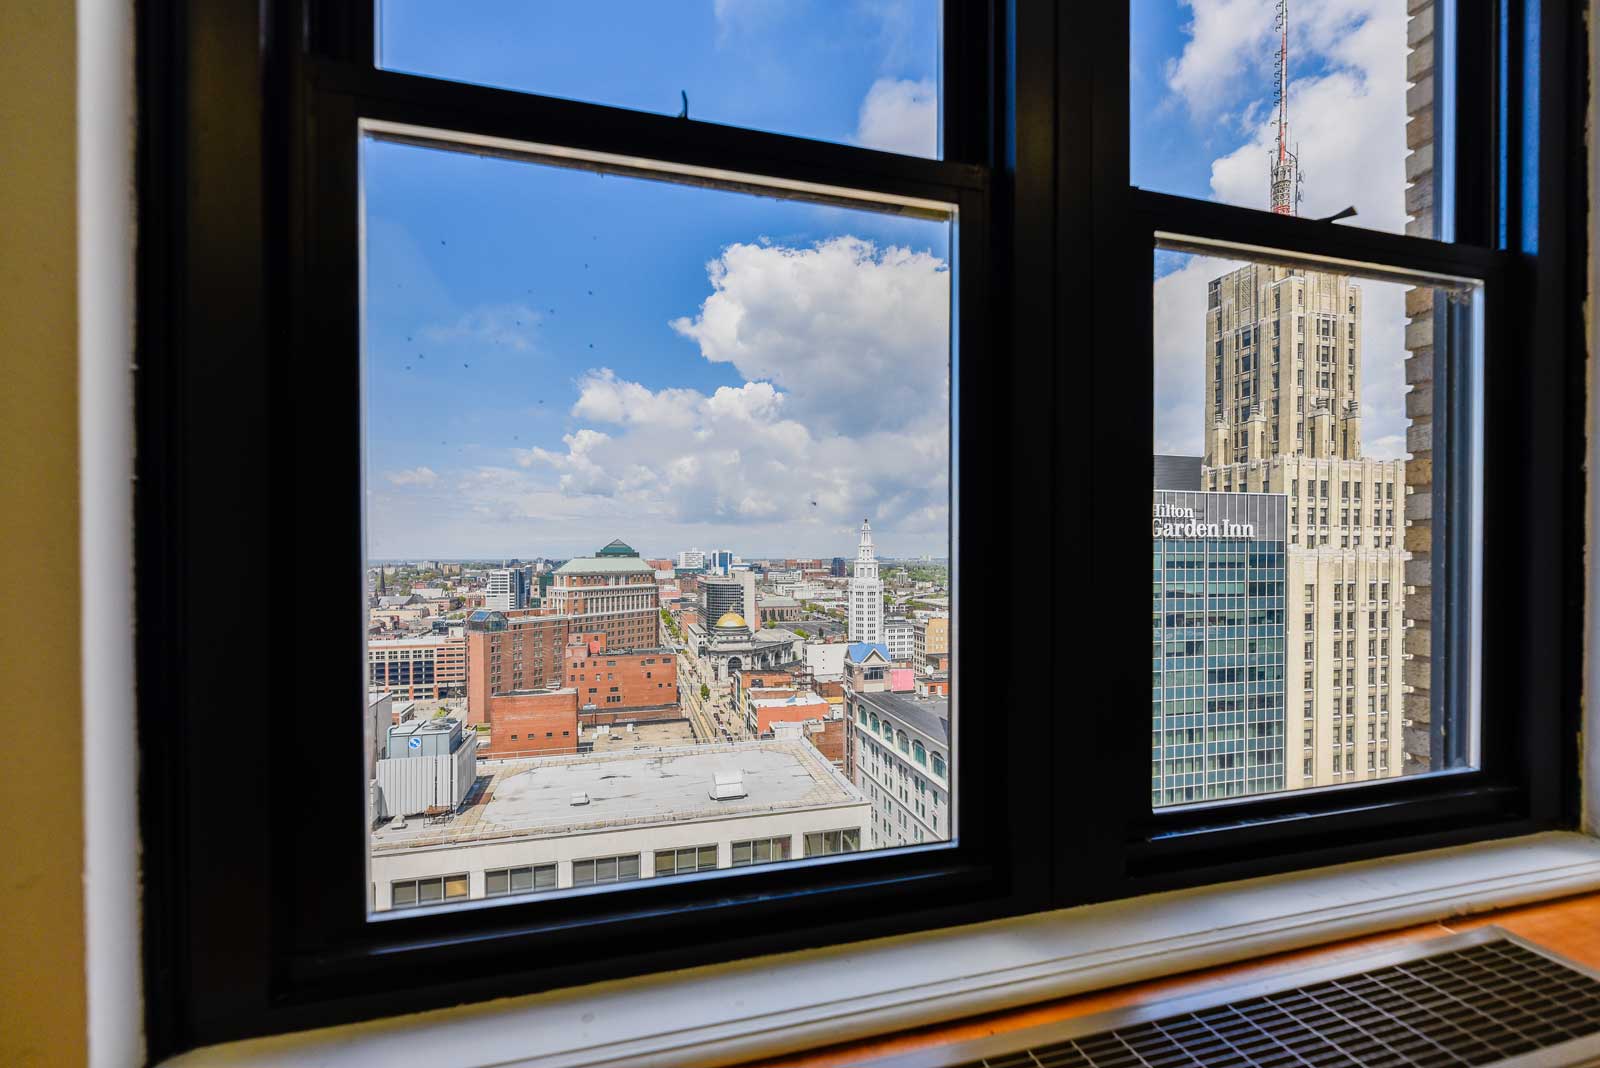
727,786
580,798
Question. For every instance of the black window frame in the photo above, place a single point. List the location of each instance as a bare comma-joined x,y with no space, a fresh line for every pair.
1515,203
246,385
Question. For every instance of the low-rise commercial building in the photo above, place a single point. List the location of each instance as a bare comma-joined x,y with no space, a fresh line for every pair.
429,668
764,708
561,822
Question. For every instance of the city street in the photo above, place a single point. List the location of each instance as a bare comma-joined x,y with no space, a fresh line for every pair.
713,719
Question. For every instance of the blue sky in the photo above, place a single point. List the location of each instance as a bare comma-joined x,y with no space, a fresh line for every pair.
555,358
513,309
800,67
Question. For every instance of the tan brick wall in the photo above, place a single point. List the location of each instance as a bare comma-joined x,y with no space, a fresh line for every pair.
1416,670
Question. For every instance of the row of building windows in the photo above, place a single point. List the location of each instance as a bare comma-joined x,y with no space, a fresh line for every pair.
1346,591
595,871
910,746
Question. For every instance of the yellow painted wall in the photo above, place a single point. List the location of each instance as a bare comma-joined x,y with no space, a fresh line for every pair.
42,984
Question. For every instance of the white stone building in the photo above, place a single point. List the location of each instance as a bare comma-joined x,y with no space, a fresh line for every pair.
866,592
897,753
560,822
900,636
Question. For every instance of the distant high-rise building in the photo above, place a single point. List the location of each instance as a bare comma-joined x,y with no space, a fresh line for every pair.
866,592
719,561
507,590
691,560
839,568
733,593
1283,356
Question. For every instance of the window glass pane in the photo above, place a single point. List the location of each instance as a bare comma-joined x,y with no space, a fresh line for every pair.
521,880
659,395
1349,122
741,853
544,877
851,72
429,890
1298,503
404,894
455,886
496,882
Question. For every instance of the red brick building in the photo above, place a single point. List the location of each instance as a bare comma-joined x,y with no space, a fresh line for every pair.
829,740
507,653
611,595
615,681
532,723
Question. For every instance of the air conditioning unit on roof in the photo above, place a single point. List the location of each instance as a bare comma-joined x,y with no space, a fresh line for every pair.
727,786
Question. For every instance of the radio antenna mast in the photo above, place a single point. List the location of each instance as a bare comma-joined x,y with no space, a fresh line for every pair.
1285,168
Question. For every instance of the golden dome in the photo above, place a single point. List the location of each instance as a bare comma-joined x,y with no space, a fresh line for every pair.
732,619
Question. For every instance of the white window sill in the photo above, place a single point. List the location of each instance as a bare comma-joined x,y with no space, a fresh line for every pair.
755,1008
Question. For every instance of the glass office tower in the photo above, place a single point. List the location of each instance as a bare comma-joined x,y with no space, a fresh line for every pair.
1217,654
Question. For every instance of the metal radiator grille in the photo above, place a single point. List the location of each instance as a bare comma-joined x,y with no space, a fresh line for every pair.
1494,1001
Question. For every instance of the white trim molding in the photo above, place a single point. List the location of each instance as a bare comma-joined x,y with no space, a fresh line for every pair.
766,1006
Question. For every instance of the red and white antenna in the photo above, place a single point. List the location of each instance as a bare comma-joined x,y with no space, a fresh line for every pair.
1285,167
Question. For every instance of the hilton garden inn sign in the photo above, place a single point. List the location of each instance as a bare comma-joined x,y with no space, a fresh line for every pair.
1175,521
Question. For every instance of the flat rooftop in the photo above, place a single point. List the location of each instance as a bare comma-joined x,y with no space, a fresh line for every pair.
642,787
669,734
930,715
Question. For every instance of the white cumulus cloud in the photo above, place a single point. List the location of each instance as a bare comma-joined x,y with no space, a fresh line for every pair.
900,115
857,337
842,411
